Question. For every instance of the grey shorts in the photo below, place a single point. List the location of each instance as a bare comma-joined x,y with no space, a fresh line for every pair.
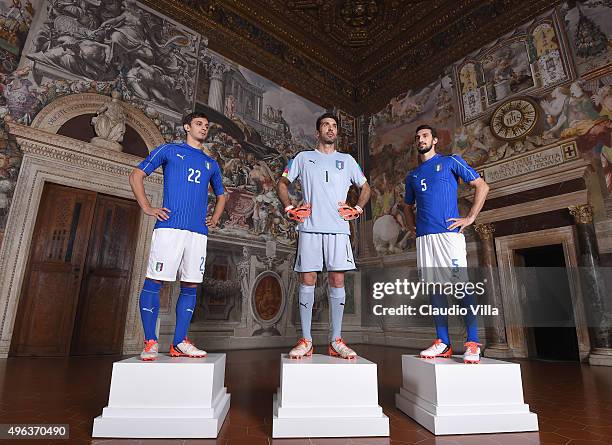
332,250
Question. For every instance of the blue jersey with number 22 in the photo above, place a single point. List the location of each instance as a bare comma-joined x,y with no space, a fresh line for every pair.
187,174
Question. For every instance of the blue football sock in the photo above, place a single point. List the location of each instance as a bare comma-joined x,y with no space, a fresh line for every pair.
184,311
471,322
149,307
306,298
337,297
441,321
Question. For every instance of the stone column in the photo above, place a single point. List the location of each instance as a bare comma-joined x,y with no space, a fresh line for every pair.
365,222
597,301
216,69
497,344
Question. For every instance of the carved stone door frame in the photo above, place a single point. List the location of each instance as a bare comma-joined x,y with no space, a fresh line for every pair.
505,247
48,157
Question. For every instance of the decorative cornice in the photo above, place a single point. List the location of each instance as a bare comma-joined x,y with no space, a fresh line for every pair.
69,151
532,207
583,214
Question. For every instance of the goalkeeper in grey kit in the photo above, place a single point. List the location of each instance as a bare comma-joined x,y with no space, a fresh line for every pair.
324,232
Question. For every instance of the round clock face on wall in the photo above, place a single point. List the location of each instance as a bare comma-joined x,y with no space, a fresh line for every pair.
514,119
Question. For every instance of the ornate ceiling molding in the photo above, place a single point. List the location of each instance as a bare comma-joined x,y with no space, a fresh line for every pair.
430,57
350,54
246,43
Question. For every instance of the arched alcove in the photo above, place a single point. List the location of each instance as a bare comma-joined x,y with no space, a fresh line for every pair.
80,127
72,114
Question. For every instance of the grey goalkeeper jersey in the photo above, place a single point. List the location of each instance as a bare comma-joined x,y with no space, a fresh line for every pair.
325,179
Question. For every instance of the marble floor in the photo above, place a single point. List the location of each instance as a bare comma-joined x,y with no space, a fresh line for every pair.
573,401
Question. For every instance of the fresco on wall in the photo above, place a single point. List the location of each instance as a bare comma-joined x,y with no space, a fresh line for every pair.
583,110
15,20
548,66
153,59
392,155
10,162
257,126
589,28
507,71
347,134
268,298
531,60
579,110
472,89
571,109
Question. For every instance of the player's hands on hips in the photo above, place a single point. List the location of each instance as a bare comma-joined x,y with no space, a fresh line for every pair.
160,213
211,222
462,223
347,212
299,213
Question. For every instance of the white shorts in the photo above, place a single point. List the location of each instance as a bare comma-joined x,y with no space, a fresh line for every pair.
173,250
330,249
442,257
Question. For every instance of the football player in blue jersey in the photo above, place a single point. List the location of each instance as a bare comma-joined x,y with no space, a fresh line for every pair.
181,231
324,232
441,249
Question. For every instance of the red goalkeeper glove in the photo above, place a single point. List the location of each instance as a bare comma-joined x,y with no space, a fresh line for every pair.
347,212
299,213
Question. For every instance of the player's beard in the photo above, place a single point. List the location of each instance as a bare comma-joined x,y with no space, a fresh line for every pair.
424,149
329,140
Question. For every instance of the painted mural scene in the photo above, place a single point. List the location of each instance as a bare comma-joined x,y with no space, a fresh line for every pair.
246,220
257,127
534,65
153,65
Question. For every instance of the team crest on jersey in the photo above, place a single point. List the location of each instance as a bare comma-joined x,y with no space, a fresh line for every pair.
340,165
159,267
207,165
438,167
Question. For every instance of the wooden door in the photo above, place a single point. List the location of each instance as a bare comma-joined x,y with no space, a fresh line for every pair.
100,320
49,295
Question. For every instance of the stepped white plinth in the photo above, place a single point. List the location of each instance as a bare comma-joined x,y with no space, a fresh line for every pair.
323,396
447,396
167,398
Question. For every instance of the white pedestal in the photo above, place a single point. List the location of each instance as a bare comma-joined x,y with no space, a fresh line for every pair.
322,396
167,398
447,396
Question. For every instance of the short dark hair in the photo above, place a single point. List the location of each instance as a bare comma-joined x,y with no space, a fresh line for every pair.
427,127
191,116
325,116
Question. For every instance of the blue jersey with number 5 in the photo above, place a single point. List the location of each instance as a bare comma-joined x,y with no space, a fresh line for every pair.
187,174
433,186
